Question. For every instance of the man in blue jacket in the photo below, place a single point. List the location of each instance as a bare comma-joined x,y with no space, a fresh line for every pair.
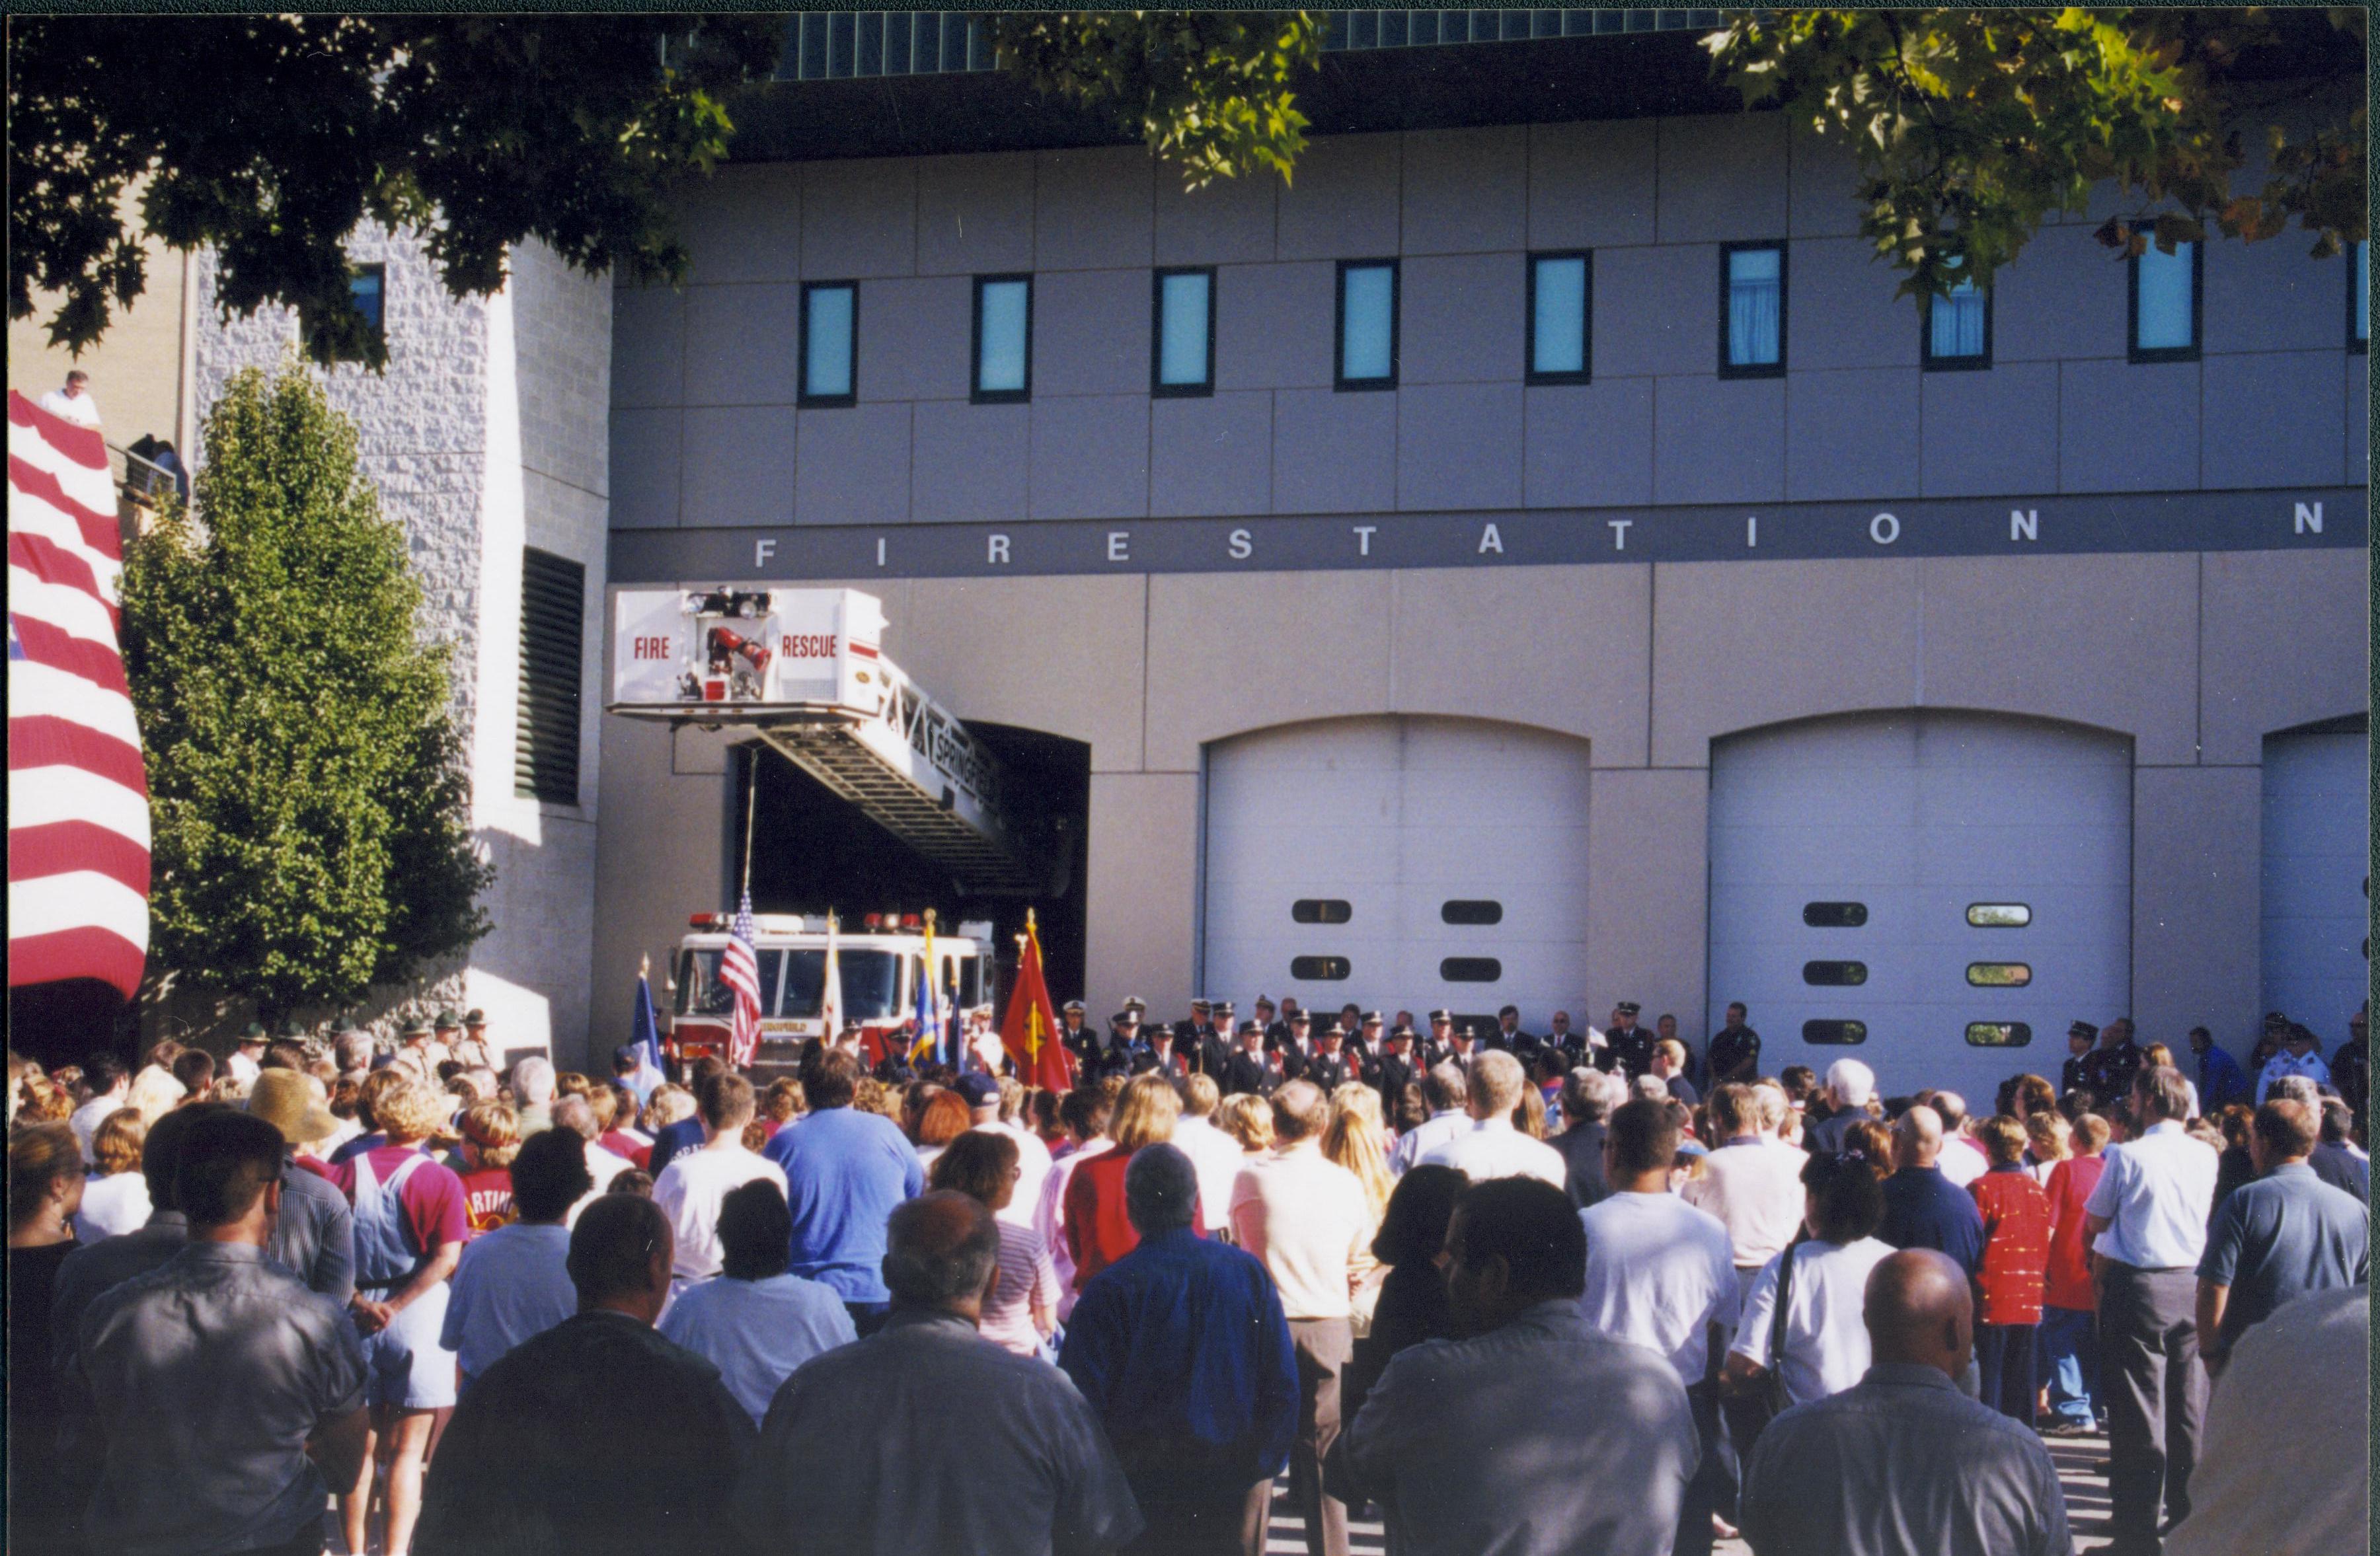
1183,1352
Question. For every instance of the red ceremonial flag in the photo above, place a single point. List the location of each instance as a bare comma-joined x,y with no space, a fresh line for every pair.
78,792
1029,1030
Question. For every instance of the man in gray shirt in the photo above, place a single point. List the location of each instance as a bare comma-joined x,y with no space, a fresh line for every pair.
1903,1461
315,1238
2285,1236
226,1398
1534,1434
934,1438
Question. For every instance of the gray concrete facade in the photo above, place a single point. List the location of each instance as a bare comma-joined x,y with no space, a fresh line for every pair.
2175,594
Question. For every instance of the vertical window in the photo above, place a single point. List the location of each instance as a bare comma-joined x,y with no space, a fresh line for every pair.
368,286
1183,355
554,616
1367,324
1959,328
830,338
2165,303
1751,310
1562,292
2358,299
1003,338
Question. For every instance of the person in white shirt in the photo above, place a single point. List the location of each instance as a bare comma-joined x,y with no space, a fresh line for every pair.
243,1061
1492,1147
1751,1180
1449,1096
1085,1114
1660,1273
110,1083
1216,1155
1963,1160
695,1183
2296,1057
1825,1342
115,1197
2147,1220
983,1097
73,401
1305,1219
754,1322
513,1284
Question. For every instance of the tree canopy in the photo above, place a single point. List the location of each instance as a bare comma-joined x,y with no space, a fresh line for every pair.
308,805
269,137
1972,127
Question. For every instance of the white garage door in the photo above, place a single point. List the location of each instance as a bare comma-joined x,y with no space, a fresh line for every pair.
1403,863
2317,863
1938,895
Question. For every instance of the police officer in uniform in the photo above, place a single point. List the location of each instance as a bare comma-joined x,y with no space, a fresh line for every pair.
1395,1071
1297,1049
1363,1049
1080,1041
2109,1068
1162,1054
1327,1066
1444,1042
2080,1037
1734,1049
1185,1033
1251,1068
414,1056
1267,1018
1628,1048
1214,1050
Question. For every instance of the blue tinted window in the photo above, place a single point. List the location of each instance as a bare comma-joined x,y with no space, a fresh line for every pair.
1185,301
1558,321
1003,318
2361,299
1368,323
367,287
1957,325
828,329
1756,307
2164,299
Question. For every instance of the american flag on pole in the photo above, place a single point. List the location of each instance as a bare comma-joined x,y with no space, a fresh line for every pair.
739,969
78,794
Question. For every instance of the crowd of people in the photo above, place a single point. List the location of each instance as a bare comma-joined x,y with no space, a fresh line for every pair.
1587,1291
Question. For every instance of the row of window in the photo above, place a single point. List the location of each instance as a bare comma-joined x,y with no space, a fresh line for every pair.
1980,1034
1454,970
1981,975
1956,330
1853,915
1333,909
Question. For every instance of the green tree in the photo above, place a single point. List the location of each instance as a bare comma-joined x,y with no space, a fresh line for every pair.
269,137
1972,127
306,800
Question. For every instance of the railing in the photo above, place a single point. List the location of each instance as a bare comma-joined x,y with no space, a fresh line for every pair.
142,482
845,45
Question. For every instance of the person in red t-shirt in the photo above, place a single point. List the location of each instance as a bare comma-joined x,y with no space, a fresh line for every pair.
491,1140
1097,1230
2009,1277
2068,1342
411,1221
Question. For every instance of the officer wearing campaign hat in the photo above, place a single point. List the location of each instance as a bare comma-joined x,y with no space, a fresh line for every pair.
2079,1039
415,1051
242,1062
474,1051
1628,1047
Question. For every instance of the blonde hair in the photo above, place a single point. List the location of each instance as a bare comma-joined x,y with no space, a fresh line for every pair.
493,1131
1247,1118
669,1102
2003,1138
1354,1140
116,1143
1146,1115
1673,1050
410,1113
153,1093
1200,1096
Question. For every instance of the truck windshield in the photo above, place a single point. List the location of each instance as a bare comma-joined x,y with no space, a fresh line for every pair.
804,984
699,992
871,986
970,982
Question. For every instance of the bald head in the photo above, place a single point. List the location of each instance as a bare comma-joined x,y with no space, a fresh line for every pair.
1918,1312
1917,1137
942,1251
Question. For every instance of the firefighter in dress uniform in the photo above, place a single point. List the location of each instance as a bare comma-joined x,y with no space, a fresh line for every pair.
1628,1048
1252,1069
1395,1071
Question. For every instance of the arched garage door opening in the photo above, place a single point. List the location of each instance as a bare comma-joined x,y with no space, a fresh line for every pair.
2317,885
1402,863
1937,894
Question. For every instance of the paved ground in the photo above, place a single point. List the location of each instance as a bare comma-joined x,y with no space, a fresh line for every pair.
2078,1458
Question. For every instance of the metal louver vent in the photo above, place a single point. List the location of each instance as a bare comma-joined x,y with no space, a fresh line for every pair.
553,620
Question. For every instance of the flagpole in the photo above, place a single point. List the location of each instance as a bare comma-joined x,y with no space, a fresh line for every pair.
751,799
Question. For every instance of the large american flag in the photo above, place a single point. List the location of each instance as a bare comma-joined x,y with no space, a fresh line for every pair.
739,969
77,795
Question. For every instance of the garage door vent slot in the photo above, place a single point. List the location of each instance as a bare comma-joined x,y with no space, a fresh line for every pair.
1834,974
1320,909
1998,916
1835,1033
1834,915
1471,911
1471,970
1321,970
1998,1034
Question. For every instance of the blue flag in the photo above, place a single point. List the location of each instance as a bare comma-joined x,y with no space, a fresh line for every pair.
644,1036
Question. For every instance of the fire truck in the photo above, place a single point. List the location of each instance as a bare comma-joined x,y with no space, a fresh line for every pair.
880,966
